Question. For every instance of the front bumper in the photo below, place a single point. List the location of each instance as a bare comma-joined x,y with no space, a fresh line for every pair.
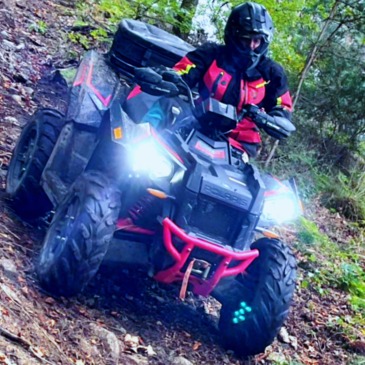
200,284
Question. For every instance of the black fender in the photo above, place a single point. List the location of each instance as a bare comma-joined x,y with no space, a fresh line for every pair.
93,90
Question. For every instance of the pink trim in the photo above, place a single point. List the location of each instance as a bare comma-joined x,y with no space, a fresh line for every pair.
220,154
126,224
136,91
200,286
81,79
162,143
234,143
106,100
86,73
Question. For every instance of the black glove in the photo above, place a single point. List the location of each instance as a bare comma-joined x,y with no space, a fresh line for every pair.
259,117
275,126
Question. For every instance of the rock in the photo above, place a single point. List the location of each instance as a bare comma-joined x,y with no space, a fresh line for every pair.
29,90
283,335
9,45
181,361
8,268
10,293
133,360
110,341
4,34
11,120
17,98
20,46
277,358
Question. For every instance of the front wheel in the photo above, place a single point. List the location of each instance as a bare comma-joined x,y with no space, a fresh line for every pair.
255,304
28,161
79,235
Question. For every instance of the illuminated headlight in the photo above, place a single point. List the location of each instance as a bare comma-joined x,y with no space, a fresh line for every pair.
281,209
147,159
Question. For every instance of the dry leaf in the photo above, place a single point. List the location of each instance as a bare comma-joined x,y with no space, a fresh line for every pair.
21,280
50,300
4,312
196,345
5,360
37,351
51,323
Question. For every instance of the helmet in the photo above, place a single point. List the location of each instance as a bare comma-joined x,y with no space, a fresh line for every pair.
248,20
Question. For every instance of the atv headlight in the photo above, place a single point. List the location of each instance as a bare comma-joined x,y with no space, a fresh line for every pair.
147,158
280,209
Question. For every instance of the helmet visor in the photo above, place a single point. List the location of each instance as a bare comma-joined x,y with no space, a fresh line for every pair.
250,41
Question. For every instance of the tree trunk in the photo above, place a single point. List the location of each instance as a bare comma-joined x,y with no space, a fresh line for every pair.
185,18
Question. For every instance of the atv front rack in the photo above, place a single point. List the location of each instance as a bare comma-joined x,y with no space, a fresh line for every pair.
204,283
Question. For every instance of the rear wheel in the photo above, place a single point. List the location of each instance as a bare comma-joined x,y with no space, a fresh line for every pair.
79,235
28,161
255,304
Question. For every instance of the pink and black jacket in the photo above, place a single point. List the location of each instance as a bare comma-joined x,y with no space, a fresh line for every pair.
211,68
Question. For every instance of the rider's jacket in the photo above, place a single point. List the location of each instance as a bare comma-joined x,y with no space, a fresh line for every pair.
219,76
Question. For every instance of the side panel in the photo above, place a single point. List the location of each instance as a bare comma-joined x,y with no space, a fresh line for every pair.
68,160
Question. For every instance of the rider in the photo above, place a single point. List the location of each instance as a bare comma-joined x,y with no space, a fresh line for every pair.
239,72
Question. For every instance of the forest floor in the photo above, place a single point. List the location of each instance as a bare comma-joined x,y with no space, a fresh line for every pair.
124,317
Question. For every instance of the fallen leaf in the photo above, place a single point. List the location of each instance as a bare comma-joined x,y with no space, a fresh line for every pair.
4,312
21,280
196,345
37,351
51,323
50,300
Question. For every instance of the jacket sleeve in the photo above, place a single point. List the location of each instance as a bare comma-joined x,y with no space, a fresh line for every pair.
277,101
193,66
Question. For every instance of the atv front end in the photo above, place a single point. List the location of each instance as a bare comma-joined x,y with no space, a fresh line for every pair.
189,265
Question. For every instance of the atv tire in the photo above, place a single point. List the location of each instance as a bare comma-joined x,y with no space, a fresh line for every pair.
255,304
28,161
79,235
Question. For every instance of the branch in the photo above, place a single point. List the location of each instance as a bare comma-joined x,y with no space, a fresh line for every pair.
24,343
313,54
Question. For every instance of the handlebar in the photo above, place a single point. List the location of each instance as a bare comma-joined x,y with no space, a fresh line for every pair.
167,82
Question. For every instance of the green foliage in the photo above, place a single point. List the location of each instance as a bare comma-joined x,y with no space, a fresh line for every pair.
345,193
308,233
79,38
329,265
357,360
39,27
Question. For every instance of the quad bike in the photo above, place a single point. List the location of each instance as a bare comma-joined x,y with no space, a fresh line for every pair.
179,202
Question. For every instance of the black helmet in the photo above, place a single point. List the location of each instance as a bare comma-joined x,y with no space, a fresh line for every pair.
249,20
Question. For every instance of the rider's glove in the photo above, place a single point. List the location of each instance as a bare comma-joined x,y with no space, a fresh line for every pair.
275,125
258,116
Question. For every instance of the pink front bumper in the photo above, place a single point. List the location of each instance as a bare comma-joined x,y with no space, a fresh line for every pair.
199,285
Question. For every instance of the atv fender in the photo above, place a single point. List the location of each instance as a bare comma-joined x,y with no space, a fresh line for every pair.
95,88
92,91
